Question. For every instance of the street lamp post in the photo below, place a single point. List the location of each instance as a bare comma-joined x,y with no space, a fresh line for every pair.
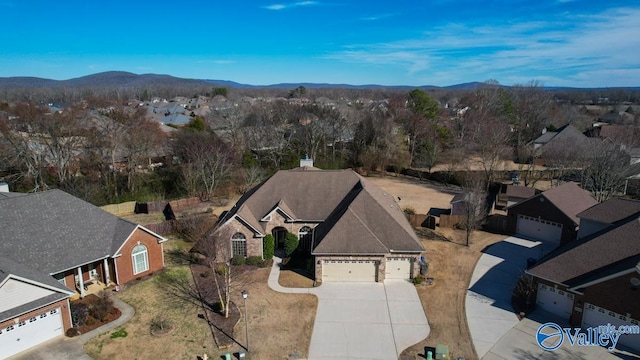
245,295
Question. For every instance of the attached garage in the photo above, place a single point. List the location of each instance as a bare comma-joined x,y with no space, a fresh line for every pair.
30,332
538,228
349,270
554,300
398,268
595,316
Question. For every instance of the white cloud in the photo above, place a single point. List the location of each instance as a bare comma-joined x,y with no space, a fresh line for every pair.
290,5
573,51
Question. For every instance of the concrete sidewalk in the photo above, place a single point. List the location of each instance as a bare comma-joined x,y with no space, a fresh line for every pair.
362,320
64,348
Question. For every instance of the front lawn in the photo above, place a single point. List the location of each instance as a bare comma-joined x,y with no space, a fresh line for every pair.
279,324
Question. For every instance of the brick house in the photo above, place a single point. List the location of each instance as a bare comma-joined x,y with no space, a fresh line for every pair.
595,280
53,247
353,230
551,216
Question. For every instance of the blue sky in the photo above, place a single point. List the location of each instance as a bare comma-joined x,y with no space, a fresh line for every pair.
402,42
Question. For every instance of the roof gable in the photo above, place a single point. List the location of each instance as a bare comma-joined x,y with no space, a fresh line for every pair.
54,231
570,199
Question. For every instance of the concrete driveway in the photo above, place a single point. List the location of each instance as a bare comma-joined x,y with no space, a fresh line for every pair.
362,320
495,330
64,348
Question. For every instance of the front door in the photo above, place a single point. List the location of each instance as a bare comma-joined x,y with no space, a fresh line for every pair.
279,235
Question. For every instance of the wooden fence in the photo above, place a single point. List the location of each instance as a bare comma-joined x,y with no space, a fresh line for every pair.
449,221
162,228
120,209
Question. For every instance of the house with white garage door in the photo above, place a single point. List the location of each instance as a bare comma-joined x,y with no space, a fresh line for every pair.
55,247
551,216
353,229
595,280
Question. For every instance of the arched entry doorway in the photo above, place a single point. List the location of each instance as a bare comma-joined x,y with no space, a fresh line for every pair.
279,234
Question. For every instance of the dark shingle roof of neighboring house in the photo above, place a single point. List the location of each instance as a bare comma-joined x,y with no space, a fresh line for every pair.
522,192
12,269
354,215
545,138
54,231
589,259
611,211
570,199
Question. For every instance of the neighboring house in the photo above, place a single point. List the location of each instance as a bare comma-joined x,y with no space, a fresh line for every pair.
353,229
459,203
595,280
517,194
550,216
53,246
567,142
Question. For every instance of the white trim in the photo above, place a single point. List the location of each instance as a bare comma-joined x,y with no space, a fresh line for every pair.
115,267
83,264
276,208
39,307
36,283
603,279
146,259
160,238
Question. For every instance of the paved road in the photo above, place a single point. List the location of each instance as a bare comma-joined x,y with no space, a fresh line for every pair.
64,348
495,330
363,320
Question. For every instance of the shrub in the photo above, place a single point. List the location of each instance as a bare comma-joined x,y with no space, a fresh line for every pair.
79,314
120,333
102,307
268,246
71,332
254,261
409,211
290,244
418,279
206,274
237,260
523,297
159,323
221,269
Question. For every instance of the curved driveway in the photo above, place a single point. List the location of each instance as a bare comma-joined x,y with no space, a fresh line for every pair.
360,320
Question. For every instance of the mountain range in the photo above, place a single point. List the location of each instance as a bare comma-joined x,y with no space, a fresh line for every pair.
124,79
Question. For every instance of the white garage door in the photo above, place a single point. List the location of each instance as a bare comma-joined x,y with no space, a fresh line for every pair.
538,228
398,268
30,332
595,316
554,301
347,270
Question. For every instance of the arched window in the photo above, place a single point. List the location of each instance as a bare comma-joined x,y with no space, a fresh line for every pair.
239,244
140,259
305,237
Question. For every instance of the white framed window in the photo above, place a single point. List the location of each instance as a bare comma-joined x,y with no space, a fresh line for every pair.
60,278
140,259
239,244
305,236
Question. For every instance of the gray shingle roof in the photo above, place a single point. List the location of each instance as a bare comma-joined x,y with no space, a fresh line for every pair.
54,231
355,216
10,268
611,211
593,257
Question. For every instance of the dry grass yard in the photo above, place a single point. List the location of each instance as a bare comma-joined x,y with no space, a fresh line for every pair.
279,324
419,195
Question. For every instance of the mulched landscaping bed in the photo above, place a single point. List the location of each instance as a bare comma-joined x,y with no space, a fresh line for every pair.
221,327
92,323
